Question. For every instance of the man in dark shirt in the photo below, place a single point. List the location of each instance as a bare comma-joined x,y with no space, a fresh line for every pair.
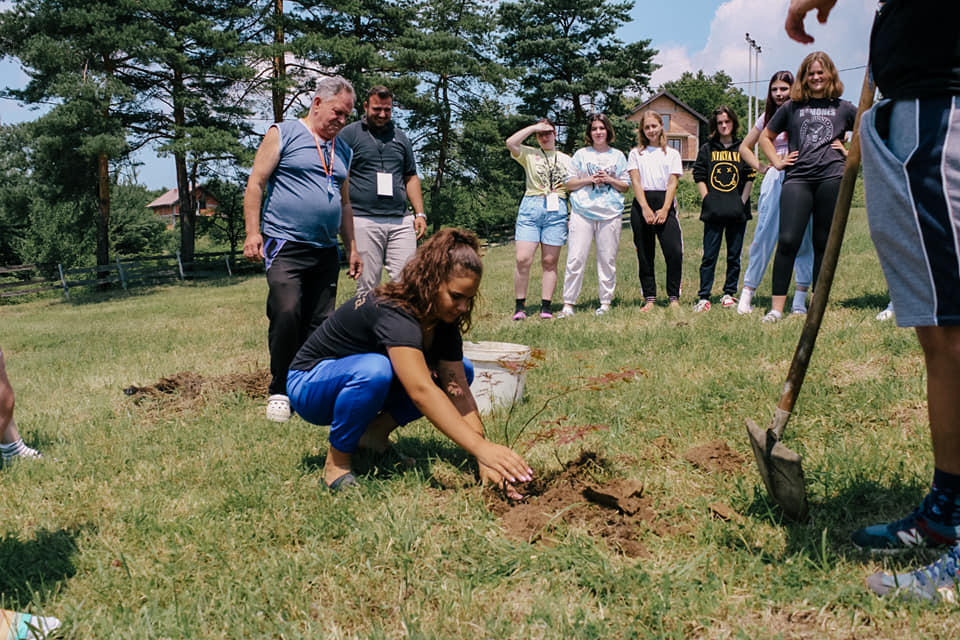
911,170
382,177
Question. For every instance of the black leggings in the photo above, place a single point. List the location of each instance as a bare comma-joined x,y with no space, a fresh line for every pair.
798,201
671,243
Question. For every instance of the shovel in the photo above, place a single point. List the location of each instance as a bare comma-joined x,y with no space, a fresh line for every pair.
780,467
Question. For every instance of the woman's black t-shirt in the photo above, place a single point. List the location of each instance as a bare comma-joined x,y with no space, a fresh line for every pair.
369,324
811,127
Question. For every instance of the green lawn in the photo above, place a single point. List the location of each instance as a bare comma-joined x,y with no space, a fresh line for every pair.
195,518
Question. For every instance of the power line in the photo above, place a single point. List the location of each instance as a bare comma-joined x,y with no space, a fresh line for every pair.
862,66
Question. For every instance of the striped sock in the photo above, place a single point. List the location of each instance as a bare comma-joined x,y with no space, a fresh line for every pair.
14,450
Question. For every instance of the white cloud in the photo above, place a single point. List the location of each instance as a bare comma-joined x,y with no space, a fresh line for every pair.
845,38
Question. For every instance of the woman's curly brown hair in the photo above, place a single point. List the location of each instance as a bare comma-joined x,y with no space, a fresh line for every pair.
449,253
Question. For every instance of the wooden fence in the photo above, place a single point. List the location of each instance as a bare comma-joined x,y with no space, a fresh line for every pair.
18,280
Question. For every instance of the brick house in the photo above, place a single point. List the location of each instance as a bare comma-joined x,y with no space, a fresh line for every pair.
167,206
681,123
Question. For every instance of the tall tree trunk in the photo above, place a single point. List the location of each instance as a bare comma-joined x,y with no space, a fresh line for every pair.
103,185
103,219
279,84
442,151
188,217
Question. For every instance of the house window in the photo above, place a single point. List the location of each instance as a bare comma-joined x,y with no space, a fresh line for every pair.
675,143
666,121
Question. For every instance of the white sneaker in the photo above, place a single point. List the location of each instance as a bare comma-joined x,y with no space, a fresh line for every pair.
744,307
772,316
728,301
602,310
886,314
566,312
278,408
701,306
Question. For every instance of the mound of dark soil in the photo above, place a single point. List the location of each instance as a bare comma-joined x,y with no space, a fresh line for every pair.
615,511
187,387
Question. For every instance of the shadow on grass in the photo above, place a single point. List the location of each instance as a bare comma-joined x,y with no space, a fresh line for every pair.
389,463
30,572
862,503
871,301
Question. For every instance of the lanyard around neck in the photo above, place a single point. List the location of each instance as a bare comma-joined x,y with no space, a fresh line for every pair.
323,158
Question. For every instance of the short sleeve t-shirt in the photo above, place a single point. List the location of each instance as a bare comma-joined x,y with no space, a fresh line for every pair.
811,127
368,324
597,202
780,143
545,171
655,167
386,150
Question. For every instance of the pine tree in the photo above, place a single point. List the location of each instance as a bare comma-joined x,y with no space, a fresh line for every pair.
572,63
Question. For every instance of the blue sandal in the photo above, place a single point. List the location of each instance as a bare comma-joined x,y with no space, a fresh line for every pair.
346,481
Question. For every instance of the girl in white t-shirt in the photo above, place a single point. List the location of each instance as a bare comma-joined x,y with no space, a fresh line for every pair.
596,182
655,171
766,232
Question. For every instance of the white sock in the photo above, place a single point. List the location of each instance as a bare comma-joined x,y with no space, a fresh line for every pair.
746,296
799,300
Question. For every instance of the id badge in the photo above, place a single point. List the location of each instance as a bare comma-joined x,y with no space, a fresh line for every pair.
553,201
384,184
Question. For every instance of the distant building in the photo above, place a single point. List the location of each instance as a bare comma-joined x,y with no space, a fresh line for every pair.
167,206
681,123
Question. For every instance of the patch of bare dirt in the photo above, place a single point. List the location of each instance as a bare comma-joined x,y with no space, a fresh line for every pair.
187,388
615,511
715,456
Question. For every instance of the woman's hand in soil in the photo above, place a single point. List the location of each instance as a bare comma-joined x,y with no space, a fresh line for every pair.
489,476
504,462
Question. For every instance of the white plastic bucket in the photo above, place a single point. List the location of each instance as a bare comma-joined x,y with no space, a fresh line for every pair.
499,371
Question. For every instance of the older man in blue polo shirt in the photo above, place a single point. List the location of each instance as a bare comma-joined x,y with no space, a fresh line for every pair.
300,178
383,176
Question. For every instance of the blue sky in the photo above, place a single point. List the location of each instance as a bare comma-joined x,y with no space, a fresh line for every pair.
689,35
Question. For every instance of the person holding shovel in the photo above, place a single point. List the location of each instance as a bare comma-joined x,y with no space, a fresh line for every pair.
911,169
389,357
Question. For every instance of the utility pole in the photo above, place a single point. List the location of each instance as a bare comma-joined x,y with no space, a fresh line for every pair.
753,72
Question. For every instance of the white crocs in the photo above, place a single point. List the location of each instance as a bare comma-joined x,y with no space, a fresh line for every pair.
278,408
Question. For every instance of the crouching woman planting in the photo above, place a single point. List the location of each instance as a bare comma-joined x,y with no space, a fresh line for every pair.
387,358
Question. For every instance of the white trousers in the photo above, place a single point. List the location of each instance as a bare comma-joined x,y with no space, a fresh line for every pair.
583,232
383,241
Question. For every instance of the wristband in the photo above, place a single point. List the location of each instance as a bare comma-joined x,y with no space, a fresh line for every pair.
420,215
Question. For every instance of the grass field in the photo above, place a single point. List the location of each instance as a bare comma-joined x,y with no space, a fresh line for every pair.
193,517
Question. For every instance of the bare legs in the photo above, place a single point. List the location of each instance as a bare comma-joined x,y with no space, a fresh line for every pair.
375,438
549,257
8,429
941,349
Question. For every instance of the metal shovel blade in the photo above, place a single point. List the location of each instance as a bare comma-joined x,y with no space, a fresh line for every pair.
781,471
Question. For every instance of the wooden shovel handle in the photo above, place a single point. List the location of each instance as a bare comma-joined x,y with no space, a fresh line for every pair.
808,337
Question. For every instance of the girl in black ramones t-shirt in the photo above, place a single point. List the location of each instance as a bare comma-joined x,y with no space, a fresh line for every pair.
386,358
816,121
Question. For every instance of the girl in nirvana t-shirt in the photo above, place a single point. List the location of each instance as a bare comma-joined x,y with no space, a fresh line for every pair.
384,359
